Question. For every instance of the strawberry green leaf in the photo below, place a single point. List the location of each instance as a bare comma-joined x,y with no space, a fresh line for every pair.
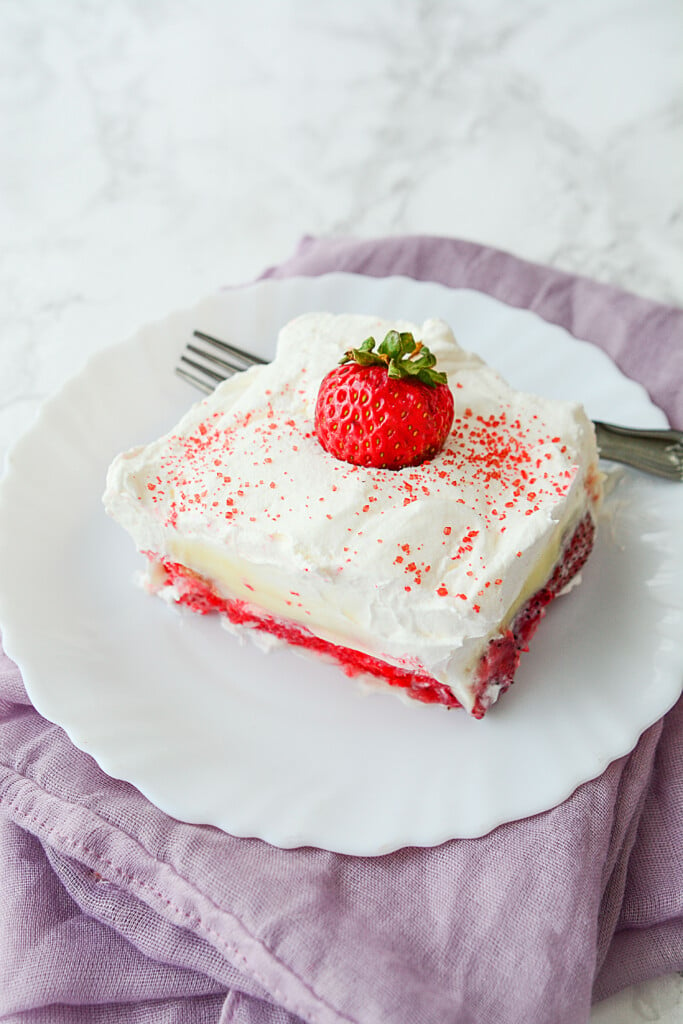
402,356
365,358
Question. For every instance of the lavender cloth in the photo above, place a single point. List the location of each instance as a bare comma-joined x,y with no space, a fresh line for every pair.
110,911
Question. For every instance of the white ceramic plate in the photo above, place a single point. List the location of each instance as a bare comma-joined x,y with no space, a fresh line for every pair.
285,748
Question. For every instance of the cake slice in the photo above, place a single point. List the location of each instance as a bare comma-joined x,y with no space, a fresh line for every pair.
432,578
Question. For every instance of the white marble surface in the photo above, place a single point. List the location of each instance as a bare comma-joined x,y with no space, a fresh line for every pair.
153,150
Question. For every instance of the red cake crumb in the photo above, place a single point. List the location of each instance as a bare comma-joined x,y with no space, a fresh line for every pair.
195,593
497,666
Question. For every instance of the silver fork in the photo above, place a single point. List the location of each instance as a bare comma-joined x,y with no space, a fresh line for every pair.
215,368
658,452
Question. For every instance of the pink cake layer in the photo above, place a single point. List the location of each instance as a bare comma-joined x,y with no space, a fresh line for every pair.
497,666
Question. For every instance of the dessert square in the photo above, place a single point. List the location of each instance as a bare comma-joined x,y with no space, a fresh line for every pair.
431,578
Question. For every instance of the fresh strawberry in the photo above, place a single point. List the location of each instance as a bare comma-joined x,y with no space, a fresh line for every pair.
387,408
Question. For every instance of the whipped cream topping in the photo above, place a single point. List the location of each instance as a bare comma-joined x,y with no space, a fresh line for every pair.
419,567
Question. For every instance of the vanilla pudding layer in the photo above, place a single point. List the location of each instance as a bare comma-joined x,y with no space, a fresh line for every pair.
421,568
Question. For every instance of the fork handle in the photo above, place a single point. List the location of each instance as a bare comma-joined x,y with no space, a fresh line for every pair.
653,451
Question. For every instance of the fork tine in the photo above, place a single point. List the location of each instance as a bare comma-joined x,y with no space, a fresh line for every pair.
248,357
212,374
209,357
233,360
197,382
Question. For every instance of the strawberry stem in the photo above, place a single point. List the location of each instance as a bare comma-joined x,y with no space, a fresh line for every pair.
402,356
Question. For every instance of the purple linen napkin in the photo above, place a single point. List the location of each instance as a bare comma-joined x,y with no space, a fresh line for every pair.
112,911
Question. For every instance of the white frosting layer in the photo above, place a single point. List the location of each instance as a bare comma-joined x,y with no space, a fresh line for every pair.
419,567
